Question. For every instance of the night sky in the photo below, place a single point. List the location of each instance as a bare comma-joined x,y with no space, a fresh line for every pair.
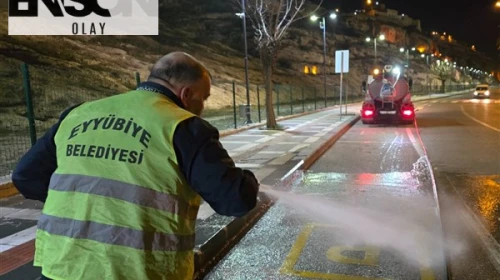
473,23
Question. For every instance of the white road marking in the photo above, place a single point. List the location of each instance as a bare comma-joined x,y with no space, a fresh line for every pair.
319,134
248,165
271,152
311,139
298,147
17,238
265,139
246,147
20,213
205,211
478,121
233,142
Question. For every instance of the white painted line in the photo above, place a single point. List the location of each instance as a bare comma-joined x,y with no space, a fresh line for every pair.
288,143
18,238
311,139
246,135
233,153
298,147
478,121
262,173
205,211
282,159
4,211
271,152
455,101
246,147
265,139
434,101
233,142
248,165
319,134
24,214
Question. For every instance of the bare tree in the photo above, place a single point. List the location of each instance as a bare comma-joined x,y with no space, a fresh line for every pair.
444,71
270,21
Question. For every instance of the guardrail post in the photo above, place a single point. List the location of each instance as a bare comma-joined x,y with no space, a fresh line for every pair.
234,105
137,79
315,108
303,101
278,98
258,102
29,102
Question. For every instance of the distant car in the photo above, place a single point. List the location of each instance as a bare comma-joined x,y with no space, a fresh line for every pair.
482,91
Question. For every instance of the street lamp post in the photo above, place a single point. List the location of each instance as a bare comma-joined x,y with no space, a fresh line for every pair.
322,25
381,37
243,16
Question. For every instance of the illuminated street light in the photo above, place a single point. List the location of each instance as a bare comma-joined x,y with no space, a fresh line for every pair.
242,15
381,37
413,49
402,49
322,25
497,5
422,55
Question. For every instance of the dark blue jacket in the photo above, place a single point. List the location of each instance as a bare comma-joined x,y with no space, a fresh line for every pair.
202,159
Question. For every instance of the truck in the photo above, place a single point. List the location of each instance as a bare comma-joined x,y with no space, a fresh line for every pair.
387,97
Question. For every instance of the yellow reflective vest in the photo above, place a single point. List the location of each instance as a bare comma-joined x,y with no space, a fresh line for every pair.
118,206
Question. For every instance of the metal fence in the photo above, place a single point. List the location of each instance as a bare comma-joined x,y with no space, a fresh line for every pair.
32,100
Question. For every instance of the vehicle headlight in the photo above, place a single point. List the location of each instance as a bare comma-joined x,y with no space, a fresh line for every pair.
487,93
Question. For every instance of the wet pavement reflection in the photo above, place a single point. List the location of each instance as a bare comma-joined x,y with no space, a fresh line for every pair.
363,216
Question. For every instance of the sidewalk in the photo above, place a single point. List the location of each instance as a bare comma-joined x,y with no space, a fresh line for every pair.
271,155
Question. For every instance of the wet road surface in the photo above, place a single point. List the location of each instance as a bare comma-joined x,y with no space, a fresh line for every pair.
365,210
462,137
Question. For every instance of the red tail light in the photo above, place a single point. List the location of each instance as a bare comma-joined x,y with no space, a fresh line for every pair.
368,113
407,112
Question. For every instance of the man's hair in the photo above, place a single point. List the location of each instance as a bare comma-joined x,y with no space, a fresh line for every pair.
185,70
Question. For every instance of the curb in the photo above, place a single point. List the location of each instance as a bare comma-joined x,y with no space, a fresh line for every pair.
214,249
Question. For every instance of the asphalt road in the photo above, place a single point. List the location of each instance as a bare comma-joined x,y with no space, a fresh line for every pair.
462,137
365,210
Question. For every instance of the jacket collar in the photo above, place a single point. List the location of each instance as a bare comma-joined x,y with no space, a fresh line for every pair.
155,87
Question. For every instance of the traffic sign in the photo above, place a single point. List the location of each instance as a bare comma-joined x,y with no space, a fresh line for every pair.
342,61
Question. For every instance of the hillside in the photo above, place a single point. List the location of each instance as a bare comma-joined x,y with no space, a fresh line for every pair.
70,69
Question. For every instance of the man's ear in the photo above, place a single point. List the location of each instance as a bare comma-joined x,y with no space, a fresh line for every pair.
186,93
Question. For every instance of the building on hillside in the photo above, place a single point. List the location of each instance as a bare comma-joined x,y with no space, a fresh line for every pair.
376,9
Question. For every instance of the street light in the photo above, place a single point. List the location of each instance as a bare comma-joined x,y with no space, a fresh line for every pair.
381,37
322,25
243,16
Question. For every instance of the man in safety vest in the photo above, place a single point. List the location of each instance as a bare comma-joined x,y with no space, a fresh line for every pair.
122,179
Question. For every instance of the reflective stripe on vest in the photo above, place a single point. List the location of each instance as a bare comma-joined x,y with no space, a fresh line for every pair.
117,217
115,235
123,191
